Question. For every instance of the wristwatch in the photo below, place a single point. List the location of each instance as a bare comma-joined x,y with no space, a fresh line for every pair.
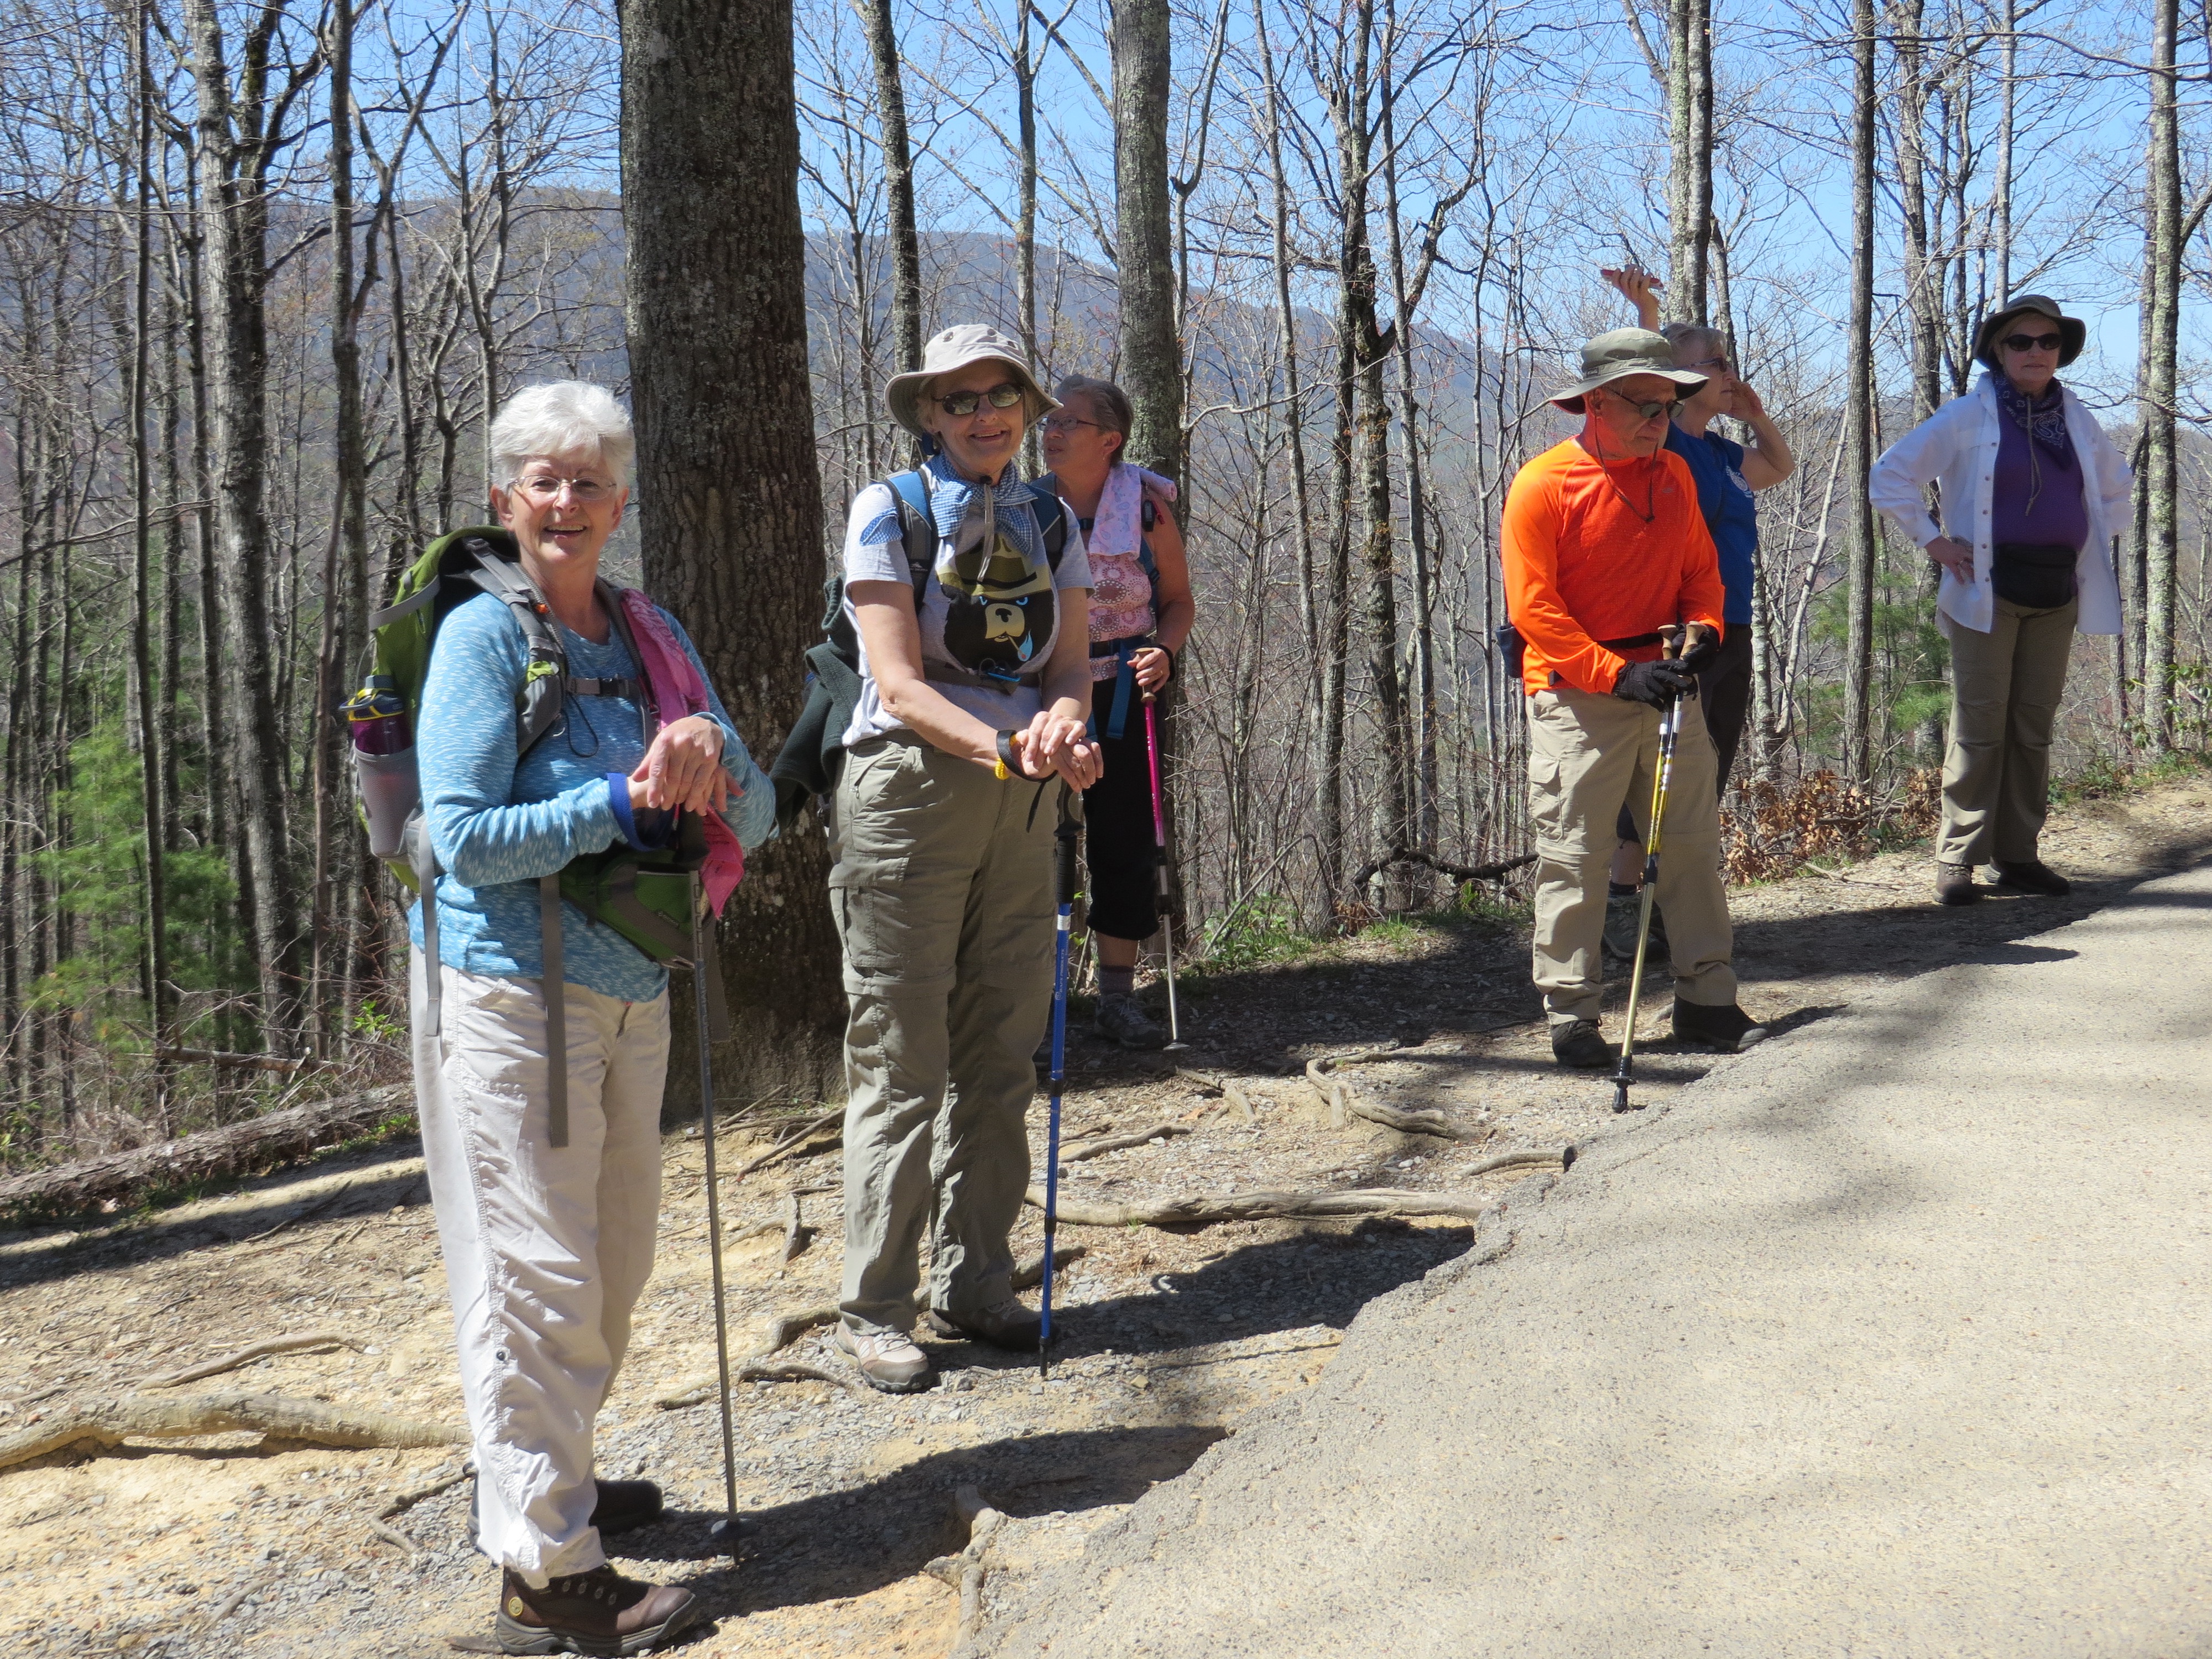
1010,765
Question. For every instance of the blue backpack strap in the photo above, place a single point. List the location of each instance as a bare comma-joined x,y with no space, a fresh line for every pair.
911,490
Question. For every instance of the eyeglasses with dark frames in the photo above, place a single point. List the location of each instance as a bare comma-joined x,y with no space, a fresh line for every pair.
1005,395
1067,423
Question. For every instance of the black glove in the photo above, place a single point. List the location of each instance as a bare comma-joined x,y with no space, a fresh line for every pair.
1705,645
1655,683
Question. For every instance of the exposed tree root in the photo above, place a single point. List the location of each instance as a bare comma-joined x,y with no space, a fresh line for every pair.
794,1140
1368,871
1343,1101
1226,1088
1284,1206
444,1482
1077,1151
246,1356
105,1424
786,1327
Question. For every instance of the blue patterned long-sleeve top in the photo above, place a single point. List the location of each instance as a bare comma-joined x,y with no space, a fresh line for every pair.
497,827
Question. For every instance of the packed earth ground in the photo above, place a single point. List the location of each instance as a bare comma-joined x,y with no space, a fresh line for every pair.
233,1545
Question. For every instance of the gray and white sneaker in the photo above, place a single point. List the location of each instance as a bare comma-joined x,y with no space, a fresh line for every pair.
888,1359
1123,1020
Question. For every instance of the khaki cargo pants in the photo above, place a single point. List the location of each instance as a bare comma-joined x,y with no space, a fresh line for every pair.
2005,690
1587,753
942,889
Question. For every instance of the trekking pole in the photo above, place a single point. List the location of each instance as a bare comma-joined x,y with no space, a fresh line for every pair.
725,1529
1670,723
1063,872
1160,872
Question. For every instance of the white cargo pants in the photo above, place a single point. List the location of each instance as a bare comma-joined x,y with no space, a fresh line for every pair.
546,1249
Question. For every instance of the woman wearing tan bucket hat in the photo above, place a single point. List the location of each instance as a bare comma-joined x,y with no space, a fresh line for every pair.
2032,490
968,588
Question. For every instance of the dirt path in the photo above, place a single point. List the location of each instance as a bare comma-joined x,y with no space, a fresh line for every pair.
229,1546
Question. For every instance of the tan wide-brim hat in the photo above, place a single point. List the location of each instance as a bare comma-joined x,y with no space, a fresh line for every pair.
2073,332
952,350
1616,356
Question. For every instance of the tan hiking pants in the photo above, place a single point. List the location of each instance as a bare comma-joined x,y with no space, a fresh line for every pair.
2005,687
942,889
1587,754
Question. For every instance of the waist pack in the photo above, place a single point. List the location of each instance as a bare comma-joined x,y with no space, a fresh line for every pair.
2037,575
813,754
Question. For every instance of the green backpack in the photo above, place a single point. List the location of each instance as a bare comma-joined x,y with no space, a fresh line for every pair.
649,898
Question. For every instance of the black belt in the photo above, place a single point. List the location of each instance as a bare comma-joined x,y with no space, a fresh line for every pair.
1635,643
1113,647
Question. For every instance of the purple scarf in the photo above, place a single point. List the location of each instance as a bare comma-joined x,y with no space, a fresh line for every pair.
2044,419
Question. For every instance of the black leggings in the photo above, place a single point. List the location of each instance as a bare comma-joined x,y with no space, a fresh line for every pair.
1117,835
1724,693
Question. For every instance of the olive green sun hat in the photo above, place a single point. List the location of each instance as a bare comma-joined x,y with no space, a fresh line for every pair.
1617,354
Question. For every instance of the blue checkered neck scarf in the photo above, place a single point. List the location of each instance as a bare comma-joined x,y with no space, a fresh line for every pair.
1011,502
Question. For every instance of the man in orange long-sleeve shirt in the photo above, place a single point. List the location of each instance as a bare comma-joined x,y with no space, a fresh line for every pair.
1603,546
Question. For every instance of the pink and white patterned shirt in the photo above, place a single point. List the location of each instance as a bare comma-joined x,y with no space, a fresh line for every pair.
1121,594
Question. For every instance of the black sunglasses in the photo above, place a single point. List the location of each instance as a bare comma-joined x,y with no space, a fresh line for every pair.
1005,395
1646,411
2033,342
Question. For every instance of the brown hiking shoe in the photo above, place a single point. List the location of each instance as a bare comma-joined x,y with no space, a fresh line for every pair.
1009,1325
2033,877
598,1612
1955,884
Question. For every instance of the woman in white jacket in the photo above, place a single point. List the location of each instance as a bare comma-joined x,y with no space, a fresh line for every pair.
2032,492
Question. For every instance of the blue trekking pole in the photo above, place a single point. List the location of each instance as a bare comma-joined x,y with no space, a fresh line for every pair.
1063,872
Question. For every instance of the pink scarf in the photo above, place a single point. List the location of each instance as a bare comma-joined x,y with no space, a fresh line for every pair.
677,693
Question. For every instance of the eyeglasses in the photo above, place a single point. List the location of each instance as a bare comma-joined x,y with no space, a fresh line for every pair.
542,487
1067,423
1005,395
2033,342
1646,411
1707,363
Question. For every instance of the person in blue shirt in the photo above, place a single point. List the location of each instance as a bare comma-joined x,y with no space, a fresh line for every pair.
1728,475
548,1248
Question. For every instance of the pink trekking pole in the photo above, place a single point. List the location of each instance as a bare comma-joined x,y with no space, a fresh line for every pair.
1160,869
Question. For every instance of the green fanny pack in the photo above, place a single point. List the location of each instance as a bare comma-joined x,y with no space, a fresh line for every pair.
646,897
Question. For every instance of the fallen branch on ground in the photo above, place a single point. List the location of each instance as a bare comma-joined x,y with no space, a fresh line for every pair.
246,1356
1343,1100
796,1234
964,1571
1367,873
244,1062
790,1371
212,1154
1287,1206
107,1423
391,1534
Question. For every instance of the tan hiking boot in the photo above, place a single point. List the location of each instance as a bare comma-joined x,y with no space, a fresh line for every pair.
598,1612
887,1359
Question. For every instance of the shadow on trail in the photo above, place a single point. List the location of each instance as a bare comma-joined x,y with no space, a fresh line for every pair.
1317,1278
840,1545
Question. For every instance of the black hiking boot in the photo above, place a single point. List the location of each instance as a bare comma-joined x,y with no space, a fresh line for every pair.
1728,1029
1581,1044
1955,884
598,1612
621,1506
2033,877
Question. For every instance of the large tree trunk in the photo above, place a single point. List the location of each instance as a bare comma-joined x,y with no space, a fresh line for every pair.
1690,163
1152,355
898,179
233,217
1859,412
732,518
2159,480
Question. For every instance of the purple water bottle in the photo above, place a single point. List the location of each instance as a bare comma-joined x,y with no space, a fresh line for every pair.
376,718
